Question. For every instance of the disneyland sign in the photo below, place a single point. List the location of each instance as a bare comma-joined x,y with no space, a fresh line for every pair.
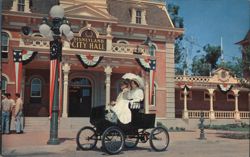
88,41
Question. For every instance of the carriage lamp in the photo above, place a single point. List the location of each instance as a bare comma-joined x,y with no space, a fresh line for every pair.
55,30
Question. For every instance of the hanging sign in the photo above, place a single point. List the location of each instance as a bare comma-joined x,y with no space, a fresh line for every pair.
89,41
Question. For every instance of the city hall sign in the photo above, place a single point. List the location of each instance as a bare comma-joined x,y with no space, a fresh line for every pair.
88,41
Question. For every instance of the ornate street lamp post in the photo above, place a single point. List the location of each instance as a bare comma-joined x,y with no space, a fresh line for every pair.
54,30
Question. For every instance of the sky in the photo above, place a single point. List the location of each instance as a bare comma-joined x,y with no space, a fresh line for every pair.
206,21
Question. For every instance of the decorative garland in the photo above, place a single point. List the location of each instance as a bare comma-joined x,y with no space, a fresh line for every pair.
28,57
147,64
89,60
188,86
24,56
224,88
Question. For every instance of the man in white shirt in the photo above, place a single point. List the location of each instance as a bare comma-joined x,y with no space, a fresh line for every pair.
19,114
6,108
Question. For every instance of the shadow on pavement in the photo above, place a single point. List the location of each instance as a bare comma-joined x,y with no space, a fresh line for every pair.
32,154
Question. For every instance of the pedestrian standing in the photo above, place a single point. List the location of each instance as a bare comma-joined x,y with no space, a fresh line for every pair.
12,112
6,109
19,114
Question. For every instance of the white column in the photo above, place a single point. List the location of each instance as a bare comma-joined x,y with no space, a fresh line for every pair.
14,5
211,113
185,112
133,12
170,80
27,6
66,69
146,99
108,72
237,113
143,17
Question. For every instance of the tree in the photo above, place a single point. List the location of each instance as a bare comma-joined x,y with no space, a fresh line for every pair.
235,66
179,48
178,56
203,65
213,53
173,11
200,67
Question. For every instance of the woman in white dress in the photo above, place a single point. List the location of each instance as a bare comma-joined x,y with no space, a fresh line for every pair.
120,106
135,95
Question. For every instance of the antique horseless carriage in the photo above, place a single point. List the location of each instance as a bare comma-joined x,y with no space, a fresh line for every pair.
115,136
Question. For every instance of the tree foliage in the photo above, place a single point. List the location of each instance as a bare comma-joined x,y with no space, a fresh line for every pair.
235,66
213,53
173,11
200,67
203,65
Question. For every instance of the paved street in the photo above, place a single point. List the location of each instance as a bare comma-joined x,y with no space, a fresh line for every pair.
183,144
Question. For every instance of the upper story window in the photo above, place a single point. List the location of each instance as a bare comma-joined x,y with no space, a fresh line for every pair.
36,87
5,45
4,84
138,16
21,5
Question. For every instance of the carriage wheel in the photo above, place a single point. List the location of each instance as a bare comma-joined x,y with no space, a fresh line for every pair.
131,141
113,140
86,138
159,139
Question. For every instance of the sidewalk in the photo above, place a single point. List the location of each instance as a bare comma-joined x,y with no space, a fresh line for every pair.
182,144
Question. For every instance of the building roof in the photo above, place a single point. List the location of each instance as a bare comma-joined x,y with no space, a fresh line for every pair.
246,39
121,10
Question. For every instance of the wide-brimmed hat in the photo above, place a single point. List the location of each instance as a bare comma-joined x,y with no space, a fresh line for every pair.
139,81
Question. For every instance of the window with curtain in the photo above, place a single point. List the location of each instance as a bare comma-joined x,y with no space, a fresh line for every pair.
21,4
5,45
4,84
36,87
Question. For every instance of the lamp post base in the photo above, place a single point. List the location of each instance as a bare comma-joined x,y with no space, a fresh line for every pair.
53,141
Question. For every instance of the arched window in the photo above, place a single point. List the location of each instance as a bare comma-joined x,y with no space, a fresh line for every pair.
36,87
152,49
5,44
4,84
21,4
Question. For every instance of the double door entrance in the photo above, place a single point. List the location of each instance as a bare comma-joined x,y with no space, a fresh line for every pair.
80,97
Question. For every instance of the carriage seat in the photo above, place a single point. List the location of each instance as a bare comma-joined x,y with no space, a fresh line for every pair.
136,105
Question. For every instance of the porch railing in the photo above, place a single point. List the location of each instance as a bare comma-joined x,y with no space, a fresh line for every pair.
195,114
245,114
224,114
